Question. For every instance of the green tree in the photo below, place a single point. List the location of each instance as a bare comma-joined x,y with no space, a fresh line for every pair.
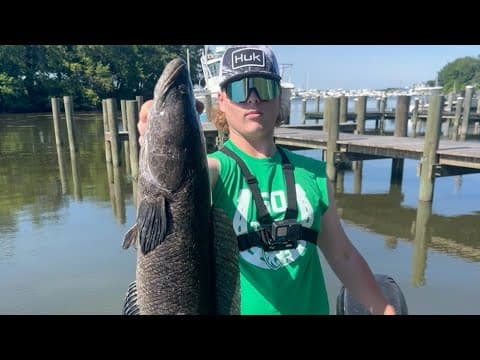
31,74
459,73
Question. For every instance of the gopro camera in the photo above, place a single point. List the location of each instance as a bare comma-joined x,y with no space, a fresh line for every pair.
284,235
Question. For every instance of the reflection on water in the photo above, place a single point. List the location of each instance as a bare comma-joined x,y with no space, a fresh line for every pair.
63,216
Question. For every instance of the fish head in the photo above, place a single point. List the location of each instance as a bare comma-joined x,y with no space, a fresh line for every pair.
169,152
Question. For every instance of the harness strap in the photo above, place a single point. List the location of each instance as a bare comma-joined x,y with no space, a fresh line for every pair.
262,212
246,241
263,215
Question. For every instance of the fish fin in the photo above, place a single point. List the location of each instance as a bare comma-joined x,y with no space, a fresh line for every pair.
130,237
152,224
130,306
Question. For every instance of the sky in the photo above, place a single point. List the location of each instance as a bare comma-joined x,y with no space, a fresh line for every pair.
367,66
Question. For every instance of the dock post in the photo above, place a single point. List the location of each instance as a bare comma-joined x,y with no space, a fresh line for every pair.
108,150
139,100
401,115
56,122
357,167
317,103
377,120
331,117
112,125
132,120
422,239
343,108
429,158
458,116
118,197
478,102
383,106
61,168
317,106
360,109
449,102
285,105
304,110
67,103
401,127
415,118
59,142
77,189
126,150
339,183
466,111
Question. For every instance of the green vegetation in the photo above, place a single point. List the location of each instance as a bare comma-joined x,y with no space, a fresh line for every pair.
31,74
459,73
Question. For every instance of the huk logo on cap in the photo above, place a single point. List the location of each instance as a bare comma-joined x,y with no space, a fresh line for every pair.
247,57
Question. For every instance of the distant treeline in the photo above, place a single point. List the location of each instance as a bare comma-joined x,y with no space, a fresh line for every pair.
459,73
31,74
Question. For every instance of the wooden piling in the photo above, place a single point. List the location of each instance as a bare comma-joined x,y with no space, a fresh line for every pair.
360,110
429,158
383,106
56,121
61,168
126,149
113,129
478,102
108,149
466,111
415,118
401,115
119,199
331,112
317,103
396,174
401,127
77,189
343,108
339,182
132,120
317,106
285,104
139,100
67,103
458,116
357,167
421,241
449,102
304,110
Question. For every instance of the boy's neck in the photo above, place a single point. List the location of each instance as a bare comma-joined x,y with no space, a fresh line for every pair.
260,148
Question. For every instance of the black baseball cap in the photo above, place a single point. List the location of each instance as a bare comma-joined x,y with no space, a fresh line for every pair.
240,61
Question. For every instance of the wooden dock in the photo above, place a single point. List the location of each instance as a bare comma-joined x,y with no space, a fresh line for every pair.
363,147
437,157
453,157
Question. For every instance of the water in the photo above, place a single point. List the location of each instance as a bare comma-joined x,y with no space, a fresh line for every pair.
62,225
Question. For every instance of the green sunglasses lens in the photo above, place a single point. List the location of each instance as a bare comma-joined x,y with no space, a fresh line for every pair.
239,90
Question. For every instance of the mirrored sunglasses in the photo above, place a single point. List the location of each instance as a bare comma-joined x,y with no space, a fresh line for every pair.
239,90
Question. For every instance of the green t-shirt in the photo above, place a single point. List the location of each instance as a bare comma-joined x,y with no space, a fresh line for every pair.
283,281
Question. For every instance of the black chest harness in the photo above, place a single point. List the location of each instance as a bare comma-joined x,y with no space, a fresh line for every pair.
273,235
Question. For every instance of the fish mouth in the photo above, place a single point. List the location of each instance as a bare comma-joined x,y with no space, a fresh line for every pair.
168,78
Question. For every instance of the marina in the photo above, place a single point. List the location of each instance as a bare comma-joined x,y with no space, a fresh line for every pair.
62,226
404,163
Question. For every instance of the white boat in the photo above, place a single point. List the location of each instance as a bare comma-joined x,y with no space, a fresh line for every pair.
210,61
